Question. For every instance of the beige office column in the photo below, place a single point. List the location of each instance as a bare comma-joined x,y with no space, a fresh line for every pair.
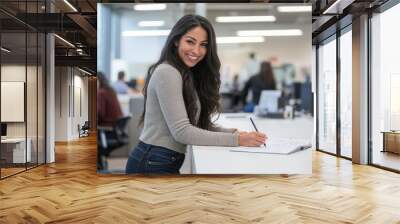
360,90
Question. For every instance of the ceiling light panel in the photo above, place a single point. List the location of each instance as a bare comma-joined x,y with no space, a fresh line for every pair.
145,33
70,5
232,40
270,33
151,23
304,8
150,7
64,40
244,19
5,50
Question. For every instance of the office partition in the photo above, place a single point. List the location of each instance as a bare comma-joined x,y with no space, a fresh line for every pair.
22,77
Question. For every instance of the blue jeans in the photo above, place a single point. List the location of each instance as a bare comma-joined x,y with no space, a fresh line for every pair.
152,159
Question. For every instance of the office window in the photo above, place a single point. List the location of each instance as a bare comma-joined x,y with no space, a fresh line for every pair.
346,94
385,89
327,96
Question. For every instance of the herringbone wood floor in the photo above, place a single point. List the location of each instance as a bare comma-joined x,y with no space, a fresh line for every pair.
70,191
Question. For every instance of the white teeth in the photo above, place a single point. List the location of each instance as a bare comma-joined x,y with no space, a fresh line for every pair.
193,58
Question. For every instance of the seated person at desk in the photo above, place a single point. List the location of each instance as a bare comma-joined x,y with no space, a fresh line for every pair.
120,86
180,96
108,108
264,80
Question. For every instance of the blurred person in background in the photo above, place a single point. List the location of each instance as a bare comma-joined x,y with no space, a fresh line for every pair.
252,65
181,95
235,91
264,80
132,84
108,107
120,85
250,68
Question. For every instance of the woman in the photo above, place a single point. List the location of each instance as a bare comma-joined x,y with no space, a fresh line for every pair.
181,94
264,80
108,112
108,107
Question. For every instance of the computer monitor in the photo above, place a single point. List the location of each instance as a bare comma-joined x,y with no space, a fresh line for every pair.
269,100
3,129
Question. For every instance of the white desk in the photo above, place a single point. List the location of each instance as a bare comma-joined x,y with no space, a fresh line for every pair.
18,149
220,160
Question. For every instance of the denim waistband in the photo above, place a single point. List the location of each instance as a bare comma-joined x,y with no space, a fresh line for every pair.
147,147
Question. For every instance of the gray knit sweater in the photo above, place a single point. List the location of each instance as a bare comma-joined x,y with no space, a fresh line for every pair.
166,122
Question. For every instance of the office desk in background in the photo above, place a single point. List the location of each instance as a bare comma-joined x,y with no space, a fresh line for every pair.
13,150
220,160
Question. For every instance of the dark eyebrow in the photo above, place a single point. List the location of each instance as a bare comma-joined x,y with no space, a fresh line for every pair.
195,39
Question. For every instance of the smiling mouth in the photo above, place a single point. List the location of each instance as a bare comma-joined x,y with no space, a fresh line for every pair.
193,58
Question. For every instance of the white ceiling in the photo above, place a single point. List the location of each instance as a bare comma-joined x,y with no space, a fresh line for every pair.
175,10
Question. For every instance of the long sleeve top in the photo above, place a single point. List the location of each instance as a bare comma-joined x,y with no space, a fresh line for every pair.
108,108
166,122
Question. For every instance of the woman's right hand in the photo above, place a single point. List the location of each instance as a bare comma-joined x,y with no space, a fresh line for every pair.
252,139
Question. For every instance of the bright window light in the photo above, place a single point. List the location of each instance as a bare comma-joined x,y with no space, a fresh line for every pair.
150,7
304,8
150,23
270,33
145,33
70,5
233,40
244,19
64,40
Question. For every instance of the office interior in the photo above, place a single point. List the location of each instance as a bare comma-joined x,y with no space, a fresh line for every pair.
287,50
357,81
48,83
355,162
68,48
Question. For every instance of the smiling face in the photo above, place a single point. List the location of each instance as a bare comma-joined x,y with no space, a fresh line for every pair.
192,46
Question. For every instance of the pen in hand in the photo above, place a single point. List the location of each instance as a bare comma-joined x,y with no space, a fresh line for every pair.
254,125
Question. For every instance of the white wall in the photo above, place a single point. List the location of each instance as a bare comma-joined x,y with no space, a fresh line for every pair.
70,84
14,73
33,125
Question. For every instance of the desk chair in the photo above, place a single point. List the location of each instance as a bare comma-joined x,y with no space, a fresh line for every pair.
111,138
84,130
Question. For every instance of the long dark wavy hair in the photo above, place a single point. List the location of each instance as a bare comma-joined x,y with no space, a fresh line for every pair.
105,84
267,74
204,77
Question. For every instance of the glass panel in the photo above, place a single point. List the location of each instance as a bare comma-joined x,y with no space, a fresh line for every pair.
41,98
385,86
13,85
327,96
346,94
31,97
